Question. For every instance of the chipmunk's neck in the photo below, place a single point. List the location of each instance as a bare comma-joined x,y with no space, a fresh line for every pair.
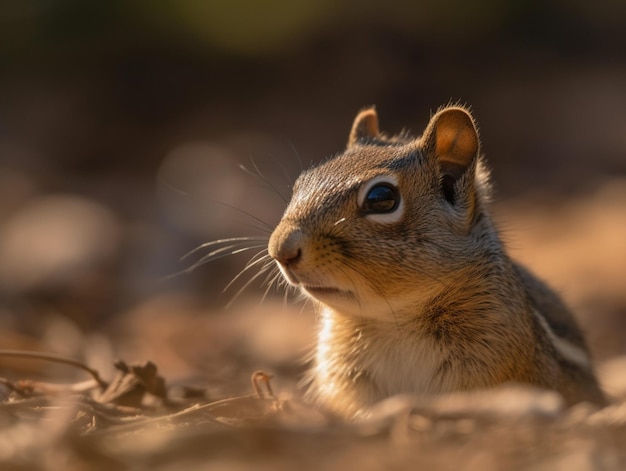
439,347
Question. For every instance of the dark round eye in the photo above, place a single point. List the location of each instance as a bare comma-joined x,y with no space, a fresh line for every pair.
381,198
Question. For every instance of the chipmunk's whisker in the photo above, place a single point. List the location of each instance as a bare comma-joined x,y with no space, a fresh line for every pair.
238,240
263,269
273,276
288,178
256,259
265,226
221,253
217,254
258,174
297,154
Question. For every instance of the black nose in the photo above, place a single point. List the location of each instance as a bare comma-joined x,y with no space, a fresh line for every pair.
285,245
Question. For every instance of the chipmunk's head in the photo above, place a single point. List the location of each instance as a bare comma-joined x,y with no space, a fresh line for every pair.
382,226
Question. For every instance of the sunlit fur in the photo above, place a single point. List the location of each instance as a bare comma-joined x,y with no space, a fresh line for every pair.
428,302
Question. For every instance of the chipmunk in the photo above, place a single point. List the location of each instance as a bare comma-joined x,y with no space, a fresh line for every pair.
394,240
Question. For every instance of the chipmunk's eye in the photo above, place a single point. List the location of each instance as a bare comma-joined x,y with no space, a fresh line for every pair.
381,198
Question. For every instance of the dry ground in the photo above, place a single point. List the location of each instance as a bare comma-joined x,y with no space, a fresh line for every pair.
206,414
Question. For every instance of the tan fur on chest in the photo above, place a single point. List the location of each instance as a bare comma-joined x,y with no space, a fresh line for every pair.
372,360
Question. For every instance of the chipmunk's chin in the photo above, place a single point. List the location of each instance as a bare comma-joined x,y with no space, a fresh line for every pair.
352,304
327,294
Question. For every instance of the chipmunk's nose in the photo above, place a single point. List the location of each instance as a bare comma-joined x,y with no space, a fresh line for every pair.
285,245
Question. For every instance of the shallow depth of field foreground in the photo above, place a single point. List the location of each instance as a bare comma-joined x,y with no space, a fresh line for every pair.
179,383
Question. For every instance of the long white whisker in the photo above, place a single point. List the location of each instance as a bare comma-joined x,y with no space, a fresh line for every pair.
267,180
297,156
255,260
285,295
268,184
263,269
267,226
306,302
275,280
212,243
211,257
258,228
274,274
288,178
225,251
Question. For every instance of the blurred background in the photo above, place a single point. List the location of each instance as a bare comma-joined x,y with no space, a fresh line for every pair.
123,125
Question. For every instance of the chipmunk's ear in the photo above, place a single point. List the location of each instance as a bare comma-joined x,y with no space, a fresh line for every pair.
452,138
365,126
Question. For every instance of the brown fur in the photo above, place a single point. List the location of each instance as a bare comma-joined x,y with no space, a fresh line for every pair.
422,299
